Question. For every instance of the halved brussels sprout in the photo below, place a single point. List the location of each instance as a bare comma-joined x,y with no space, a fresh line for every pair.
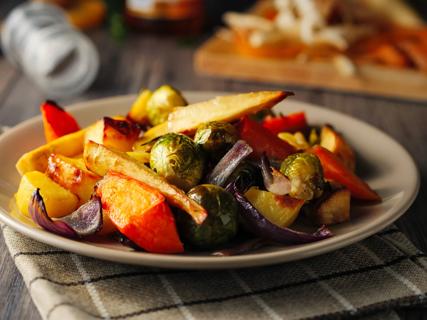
162,102
221,224
306,175
216,138
177,158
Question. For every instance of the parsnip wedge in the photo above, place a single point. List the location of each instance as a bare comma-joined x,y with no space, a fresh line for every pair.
223,108
69,145
100,160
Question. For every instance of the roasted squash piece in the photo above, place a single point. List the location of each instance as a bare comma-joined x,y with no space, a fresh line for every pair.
140,213
69,145
100,160
59,201
113,133
72,175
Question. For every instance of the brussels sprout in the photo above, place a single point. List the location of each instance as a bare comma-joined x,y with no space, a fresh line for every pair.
216,138
306,175
162,102
177,158
221,224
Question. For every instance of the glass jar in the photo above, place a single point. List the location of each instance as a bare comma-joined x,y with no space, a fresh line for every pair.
183,17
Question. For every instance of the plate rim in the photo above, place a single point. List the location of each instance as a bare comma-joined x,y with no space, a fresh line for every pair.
214,262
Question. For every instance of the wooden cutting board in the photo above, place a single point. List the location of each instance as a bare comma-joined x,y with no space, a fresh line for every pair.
218,57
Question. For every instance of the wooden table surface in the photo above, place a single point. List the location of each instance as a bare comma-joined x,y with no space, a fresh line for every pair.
144,61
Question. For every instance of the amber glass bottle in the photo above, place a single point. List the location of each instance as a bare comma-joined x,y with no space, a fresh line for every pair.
181,17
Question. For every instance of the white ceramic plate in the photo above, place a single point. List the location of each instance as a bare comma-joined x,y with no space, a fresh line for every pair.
386,166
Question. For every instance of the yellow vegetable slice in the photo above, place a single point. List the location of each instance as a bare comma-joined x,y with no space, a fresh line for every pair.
100,160
58,201
69,145
224,108
138,111
280,210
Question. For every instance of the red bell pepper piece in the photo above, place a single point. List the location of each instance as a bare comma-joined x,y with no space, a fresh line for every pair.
140,213
290,123
262,140
56,121
334,169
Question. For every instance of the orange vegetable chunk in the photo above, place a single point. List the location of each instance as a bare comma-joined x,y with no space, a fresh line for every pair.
140,213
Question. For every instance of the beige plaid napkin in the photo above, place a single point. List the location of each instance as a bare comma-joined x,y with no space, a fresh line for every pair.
378,274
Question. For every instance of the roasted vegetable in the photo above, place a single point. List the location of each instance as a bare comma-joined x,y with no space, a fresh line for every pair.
337,171
246,174
72,175
138,111
280,210
263,141
59,201
262,227
331,209
56,121
140,213
225,108
334,142
162,102
306,175
274,180
297,140
216,138
100,160
69,145
85,221
285,123
229,163
113,133
221,224
178,159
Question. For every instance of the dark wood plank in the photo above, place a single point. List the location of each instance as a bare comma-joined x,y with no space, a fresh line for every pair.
144,61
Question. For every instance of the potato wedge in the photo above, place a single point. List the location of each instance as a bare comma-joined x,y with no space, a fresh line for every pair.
334,209
334,142
59,201
69,145
100,160
72,175
113,133
224,108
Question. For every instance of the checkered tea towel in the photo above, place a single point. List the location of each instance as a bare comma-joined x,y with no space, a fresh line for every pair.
376,275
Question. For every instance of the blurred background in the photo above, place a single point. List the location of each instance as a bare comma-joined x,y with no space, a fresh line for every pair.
110,47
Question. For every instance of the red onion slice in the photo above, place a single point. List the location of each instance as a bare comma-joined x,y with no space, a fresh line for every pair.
85,221
229,163
274,181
